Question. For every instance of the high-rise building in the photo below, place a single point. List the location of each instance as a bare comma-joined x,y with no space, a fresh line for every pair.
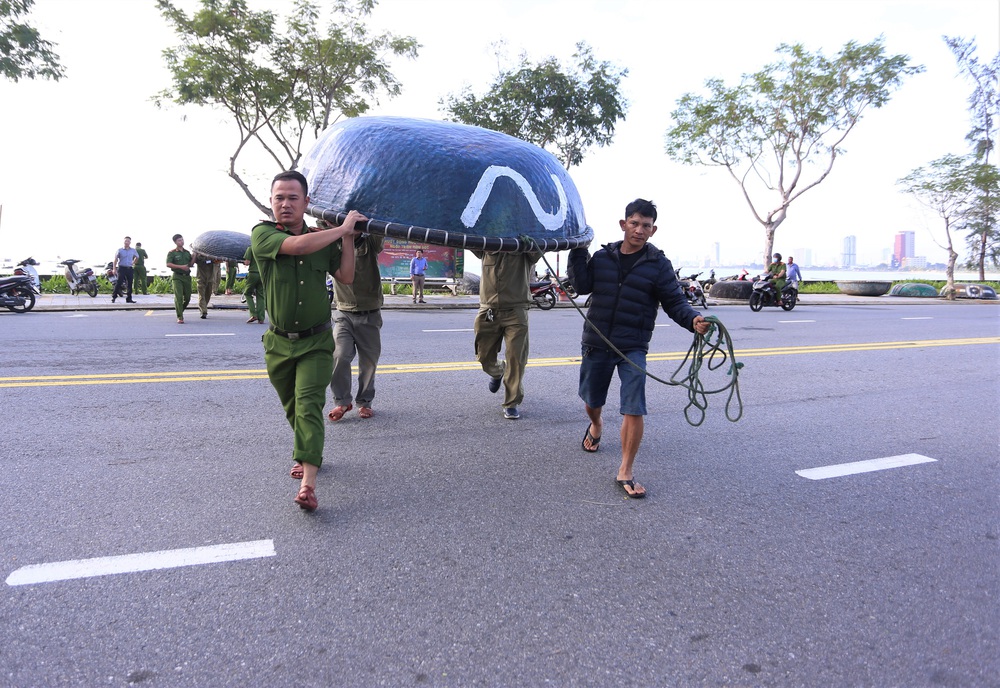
715,254
803,256
903,247
850,256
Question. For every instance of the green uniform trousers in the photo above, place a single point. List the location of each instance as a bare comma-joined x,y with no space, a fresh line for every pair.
509,326
139,281
253,290
299,371
182,293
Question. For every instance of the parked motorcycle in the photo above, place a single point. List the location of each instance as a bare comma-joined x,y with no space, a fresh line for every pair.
765,294
707,284
17,293
543,294
27,267
692,289
85,280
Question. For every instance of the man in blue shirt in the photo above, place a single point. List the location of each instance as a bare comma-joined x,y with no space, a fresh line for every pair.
418,266
123,270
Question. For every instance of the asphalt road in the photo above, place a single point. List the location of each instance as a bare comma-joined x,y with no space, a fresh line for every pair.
455,548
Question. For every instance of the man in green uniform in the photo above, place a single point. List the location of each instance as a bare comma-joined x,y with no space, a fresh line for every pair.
294,260
180,261
139,280
777,272
253,290
358,329
504,298
209,272
231,268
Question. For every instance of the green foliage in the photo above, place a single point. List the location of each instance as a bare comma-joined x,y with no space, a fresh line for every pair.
566,110
983,238
56,284
23,52
818,288
779,131
280,88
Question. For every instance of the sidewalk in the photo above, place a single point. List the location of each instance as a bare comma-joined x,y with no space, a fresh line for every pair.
102,302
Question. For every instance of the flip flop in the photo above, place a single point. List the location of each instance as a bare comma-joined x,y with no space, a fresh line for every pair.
625,484
596,441
338,412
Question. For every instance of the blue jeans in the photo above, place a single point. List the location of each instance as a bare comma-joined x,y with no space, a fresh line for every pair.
596,370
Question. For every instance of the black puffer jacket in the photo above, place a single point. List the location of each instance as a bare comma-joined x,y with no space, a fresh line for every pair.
624,304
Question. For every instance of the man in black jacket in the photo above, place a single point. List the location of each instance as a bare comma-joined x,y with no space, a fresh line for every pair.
630,280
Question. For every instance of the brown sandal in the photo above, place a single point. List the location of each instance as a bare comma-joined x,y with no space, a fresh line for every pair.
306,498
338,412
365,412
296,471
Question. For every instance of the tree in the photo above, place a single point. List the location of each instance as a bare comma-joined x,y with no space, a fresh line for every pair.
23,52
780,130
564,110
984,108
281,89
950,186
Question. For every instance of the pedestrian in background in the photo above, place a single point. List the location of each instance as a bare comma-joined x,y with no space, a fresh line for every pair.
418,268
123,268
139,282
793,274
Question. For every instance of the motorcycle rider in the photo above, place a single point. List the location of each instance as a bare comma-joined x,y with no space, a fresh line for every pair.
777,272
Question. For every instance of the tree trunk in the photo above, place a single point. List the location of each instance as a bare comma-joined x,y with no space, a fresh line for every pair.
982,258
949,287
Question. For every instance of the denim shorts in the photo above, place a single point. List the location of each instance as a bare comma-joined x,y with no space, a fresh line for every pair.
596,370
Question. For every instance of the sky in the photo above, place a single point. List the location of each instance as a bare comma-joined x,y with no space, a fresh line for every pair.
89,159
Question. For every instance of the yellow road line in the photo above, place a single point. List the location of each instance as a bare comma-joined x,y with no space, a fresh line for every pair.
456,366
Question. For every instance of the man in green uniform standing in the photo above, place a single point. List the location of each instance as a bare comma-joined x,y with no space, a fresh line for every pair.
180,261
253,290
294,260
139,280
504,298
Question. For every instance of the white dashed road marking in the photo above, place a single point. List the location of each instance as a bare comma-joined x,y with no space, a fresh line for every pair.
842,469
206,334
145,561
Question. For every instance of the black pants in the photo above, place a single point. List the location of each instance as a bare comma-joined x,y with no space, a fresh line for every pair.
124,281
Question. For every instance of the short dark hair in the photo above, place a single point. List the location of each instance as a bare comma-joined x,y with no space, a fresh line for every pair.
176,237
642,207
294,176
420,250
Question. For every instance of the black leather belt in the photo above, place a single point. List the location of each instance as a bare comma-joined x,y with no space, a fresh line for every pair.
322,327
374,310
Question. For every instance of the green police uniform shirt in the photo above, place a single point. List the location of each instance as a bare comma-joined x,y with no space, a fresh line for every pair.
294,286
252,270
141,260
181,257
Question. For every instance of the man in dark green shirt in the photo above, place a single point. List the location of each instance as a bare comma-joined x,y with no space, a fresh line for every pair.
139,280
179,261
294,260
